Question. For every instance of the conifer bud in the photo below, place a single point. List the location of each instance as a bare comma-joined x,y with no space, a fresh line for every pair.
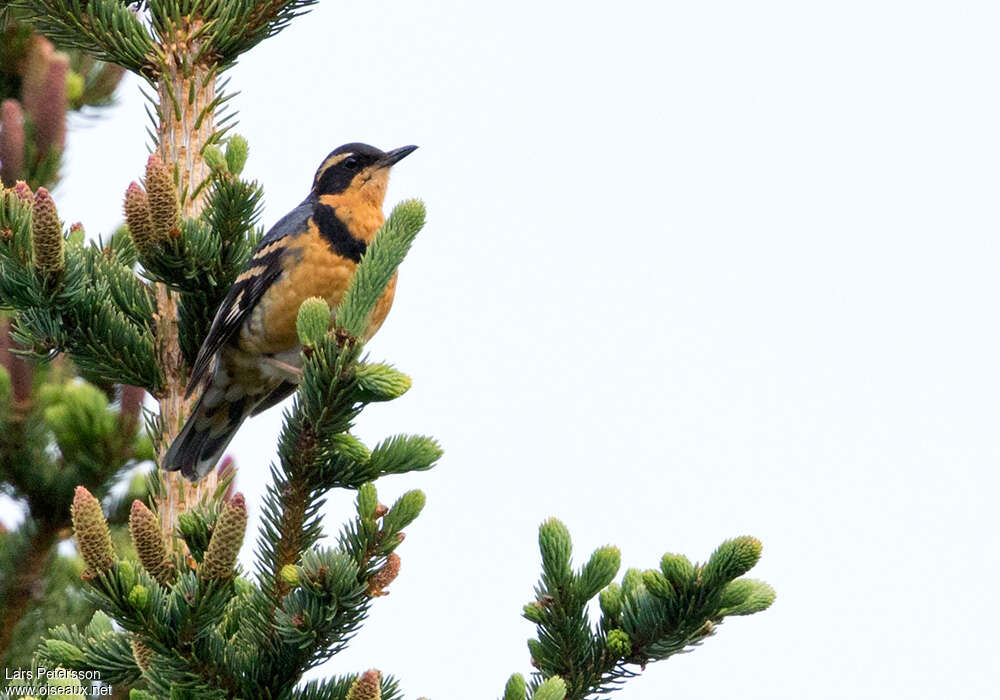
657,584
599,571
214,159
313,321
678,570
408,215
632,583
138,221
534,612
139,597
290,575
350,447
224,547
237,150
142,654
368,686
92,536
367,501
516,688
46,233
404,511
128,573
63,653
148,540
164,210
611,600
11,141
381,579
759,597
731,560
536,650
618,643
380,383
554,688
736,592
556,547
77,235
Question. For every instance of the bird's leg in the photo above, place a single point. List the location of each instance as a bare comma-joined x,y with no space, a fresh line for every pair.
294,372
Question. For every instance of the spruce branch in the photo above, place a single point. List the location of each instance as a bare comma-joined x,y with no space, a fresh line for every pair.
378,266
105,29
649,617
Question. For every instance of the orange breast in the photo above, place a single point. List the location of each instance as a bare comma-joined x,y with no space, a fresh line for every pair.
312,269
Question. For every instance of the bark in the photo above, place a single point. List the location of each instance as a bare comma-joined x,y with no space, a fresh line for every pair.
185,127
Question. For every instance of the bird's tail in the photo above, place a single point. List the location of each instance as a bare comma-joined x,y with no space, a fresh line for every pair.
209,429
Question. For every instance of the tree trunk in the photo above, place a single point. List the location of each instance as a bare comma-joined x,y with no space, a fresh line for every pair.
186,93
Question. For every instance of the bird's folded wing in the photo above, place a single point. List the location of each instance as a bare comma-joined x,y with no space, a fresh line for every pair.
264,267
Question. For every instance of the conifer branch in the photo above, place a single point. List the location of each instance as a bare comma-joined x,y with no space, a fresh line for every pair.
106,29
649,617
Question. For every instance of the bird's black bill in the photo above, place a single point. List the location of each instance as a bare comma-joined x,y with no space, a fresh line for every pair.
397,154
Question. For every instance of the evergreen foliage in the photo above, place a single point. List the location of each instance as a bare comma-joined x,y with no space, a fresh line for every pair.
650,616
179,618
56,431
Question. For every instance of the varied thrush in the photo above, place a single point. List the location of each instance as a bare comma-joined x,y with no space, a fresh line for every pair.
251,358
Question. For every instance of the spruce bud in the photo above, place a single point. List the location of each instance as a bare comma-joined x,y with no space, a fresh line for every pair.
380,382
759,597
313,321
215,160
599,571
611,600
290,575
516,688
618,643
731,560
367,501
657,584
139,597
404,511
237,150
554,688
678,570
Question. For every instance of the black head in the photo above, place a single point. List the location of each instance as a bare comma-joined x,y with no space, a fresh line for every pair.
344,164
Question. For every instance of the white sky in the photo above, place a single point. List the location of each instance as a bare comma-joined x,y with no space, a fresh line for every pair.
691,270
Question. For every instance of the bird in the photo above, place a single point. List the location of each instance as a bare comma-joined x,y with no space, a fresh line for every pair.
251,358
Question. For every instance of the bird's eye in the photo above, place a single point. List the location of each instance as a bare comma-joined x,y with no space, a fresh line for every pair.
351,163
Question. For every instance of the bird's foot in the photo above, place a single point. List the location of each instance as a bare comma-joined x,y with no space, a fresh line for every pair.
294,373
